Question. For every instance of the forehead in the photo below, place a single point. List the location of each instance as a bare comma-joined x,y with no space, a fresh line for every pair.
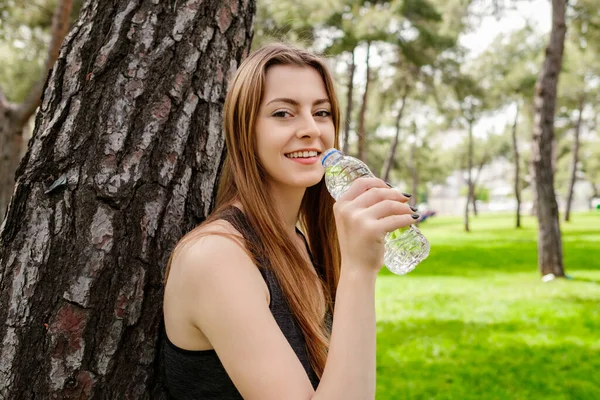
298,83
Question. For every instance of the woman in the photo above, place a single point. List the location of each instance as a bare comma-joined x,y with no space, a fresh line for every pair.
253,308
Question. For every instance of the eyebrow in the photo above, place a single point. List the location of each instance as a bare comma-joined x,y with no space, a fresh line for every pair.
295,103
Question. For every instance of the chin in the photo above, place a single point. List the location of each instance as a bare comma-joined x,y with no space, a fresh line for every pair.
306,182
312,182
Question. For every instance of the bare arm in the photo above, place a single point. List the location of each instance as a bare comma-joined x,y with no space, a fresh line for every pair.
363,215
350,368
227,301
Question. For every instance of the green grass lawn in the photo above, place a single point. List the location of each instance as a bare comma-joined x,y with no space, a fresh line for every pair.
475,321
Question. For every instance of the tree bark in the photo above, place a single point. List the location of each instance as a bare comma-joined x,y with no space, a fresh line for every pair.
550,255
389,161
575,160
517,166
125,155
362,134
14,117
349,105
469,174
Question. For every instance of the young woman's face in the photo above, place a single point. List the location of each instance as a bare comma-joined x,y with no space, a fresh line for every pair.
294,126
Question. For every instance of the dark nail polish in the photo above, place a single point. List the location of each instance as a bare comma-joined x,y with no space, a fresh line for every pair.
415,209
415,216
389,184
407,194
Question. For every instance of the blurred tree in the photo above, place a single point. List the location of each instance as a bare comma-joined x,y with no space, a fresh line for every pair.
401,88
507,71
590,161
15,115
126,151
463,102
550,254
415,62
485,149
578,87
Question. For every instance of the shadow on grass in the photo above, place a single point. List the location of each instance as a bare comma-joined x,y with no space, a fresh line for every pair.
424,359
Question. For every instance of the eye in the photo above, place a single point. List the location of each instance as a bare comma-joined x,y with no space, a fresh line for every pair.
281,114
323,113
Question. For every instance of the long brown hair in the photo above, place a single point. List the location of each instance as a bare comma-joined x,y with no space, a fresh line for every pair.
309,296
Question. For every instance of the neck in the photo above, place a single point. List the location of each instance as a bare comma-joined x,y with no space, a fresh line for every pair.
287,201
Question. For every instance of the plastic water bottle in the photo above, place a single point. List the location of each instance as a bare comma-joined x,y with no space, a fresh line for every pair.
405,247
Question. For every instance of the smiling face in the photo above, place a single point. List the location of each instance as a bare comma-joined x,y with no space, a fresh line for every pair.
294,126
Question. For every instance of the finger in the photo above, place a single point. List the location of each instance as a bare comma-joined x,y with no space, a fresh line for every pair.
388,208
393,222
360,186
376,195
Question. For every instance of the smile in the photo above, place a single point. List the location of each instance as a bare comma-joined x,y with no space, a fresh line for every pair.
302,154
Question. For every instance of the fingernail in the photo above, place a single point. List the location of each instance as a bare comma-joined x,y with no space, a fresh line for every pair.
415,216
415,209
407,194
389,184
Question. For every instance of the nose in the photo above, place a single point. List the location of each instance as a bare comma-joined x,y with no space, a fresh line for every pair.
308,127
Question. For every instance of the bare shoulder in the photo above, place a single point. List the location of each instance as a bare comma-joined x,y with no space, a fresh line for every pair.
215,246
213,258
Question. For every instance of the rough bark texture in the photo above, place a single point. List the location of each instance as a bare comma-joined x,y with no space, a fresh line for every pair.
125,154
550,256
362,132
14,117
349,105
517,186
574,161
389,161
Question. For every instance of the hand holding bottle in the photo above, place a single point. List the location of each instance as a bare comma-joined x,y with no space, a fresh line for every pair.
404,247
364,214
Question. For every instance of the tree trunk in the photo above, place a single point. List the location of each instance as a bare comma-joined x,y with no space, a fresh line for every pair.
349,105
470,193
362,134
575,161
125,154
14,117
517,172
389,161
550,257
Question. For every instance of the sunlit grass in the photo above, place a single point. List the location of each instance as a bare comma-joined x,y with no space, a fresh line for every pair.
475,321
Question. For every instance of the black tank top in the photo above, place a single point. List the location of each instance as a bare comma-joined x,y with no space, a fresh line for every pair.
200,374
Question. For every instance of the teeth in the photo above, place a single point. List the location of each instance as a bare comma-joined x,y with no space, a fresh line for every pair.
302,154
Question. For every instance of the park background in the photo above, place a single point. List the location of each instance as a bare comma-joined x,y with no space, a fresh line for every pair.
439,98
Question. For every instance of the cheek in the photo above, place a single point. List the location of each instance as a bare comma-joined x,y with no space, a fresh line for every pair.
329,137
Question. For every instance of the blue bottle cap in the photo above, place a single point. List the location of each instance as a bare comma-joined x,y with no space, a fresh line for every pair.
327,153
